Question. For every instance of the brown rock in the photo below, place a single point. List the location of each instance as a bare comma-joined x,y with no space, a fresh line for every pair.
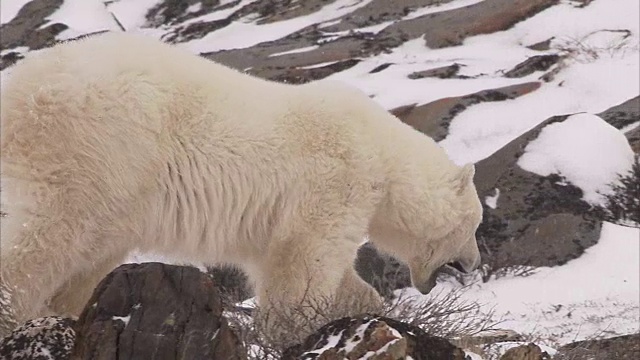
379,337
530,351
155,311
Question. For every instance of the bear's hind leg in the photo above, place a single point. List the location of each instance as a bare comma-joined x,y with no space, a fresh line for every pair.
71,298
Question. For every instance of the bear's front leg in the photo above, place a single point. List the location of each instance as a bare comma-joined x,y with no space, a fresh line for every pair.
298,289
356,296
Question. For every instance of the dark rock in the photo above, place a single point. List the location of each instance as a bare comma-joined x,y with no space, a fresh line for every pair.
25,29
634,139
9,59
155,311
542,45
301,76
434,118
445,72
46,338
626,347
364,334
533,64
378,12
530,351
382,271
624,114
538,221
379,68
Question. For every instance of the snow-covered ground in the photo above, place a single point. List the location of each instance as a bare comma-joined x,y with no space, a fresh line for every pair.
596,294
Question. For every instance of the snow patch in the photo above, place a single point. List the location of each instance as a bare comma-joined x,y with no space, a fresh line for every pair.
596,294
295,51
492,201
132,13
9,9
124,319
440,8
584,149
95,17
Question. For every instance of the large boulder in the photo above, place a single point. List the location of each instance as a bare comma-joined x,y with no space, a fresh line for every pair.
155,311
378,337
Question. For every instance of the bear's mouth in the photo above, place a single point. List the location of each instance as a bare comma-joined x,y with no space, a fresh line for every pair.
457,266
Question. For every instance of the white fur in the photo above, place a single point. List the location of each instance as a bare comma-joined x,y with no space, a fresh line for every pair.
118,142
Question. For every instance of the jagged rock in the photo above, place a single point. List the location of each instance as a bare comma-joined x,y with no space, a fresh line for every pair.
46,338
382,271
378,337
538,221
434,118
529,351
155,311
626,347
542,45
533,64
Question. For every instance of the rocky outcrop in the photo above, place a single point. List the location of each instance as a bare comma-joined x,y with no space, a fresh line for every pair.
46,338
155,311
378,337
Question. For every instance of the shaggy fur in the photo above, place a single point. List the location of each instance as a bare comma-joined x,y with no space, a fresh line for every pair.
117,142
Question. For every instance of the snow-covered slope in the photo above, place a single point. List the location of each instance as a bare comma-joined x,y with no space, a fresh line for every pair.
382,49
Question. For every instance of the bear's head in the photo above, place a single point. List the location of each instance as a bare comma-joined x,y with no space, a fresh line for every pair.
432,227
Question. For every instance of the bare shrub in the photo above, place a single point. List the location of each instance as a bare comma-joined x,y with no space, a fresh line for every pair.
622,205
445,314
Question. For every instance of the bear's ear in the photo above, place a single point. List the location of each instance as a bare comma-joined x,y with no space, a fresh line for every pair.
464,178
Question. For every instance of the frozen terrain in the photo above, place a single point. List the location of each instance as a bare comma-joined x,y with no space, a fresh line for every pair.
596,294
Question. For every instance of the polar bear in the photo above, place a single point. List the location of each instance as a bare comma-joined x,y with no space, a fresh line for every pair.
119,142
